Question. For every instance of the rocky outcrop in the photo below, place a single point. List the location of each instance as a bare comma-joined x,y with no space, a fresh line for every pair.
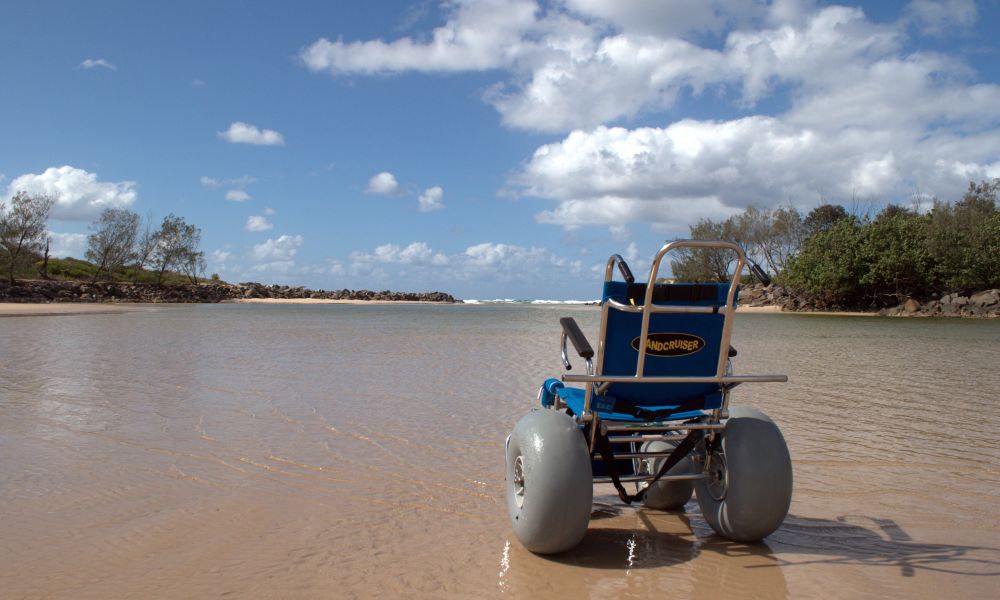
984,304
79,291
980,304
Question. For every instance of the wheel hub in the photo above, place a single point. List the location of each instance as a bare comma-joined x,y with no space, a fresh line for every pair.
718,477
519,481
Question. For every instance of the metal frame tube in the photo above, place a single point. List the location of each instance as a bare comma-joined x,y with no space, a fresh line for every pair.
645,478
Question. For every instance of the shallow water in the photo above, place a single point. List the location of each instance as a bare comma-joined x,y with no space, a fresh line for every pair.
347,451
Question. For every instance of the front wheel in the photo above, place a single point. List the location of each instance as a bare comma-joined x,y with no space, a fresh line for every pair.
749,488
550,486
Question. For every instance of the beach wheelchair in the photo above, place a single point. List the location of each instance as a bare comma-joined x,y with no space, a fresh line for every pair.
654,412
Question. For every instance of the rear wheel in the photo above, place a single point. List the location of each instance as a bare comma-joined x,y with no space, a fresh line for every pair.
749,488
549,482
667,495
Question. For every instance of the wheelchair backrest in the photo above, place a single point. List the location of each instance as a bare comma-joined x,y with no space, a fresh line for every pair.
679,344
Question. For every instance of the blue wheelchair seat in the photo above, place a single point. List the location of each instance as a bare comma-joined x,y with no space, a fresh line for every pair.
604,406
678,344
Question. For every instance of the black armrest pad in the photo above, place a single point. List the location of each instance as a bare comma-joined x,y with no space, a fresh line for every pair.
576,336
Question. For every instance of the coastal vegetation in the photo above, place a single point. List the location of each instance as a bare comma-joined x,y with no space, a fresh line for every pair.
121,246
863,259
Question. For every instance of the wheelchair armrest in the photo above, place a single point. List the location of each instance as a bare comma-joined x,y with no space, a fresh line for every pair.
572,331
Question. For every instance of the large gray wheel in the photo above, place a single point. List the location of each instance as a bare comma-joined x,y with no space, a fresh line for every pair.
750,488
667,495
550,487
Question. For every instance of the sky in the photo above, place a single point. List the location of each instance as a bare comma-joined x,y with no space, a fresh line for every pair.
489,149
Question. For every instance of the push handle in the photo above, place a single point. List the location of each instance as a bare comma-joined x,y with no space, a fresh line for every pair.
572,331
623,268
759,273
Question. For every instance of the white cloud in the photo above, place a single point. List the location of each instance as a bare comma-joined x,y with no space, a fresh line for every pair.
67,244
509,262
237,182
92,63
198,83
237,196
937,17
78,194
382,183
244,133
282,248
620,233
831,104
268,211
431,199
220,256
417,253
258,223
485,263
478,36
279,267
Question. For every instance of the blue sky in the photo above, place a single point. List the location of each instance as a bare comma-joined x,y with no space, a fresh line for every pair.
488,149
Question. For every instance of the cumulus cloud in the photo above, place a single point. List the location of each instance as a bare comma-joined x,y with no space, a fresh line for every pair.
244,133
237,182
417,253
487,261
93,63
282,248
78,195
476,37
937,17
237,196
823,102
431,199
258,223
67,244
383,183
268,211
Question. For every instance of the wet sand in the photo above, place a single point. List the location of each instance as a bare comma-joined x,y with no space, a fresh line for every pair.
17,309
777,310
328,301
311,451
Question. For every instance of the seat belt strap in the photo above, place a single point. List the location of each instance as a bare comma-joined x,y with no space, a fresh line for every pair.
607,455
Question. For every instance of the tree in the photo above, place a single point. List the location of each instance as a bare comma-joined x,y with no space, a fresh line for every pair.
145,243
113,243
176,247
706,264
22,228
194,265
823,217
831,264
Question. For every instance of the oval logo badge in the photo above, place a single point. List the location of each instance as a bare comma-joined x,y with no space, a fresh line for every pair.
670,344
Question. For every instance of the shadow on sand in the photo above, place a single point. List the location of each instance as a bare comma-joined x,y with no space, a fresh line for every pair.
848,540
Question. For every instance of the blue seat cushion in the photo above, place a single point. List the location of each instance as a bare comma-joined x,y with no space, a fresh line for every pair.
605,406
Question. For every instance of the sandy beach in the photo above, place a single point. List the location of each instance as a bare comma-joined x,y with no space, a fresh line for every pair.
327,301
777,310
18,309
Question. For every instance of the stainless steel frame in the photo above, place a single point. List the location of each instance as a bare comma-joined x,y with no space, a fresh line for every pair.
597,382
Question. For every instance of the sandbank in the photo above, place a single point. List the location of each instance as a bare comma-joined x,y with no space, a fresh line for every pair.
771,310
25,309
327,301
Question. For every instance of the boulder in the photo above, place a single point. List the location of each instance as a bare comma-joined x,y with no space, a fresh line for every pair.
986,299
911,306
